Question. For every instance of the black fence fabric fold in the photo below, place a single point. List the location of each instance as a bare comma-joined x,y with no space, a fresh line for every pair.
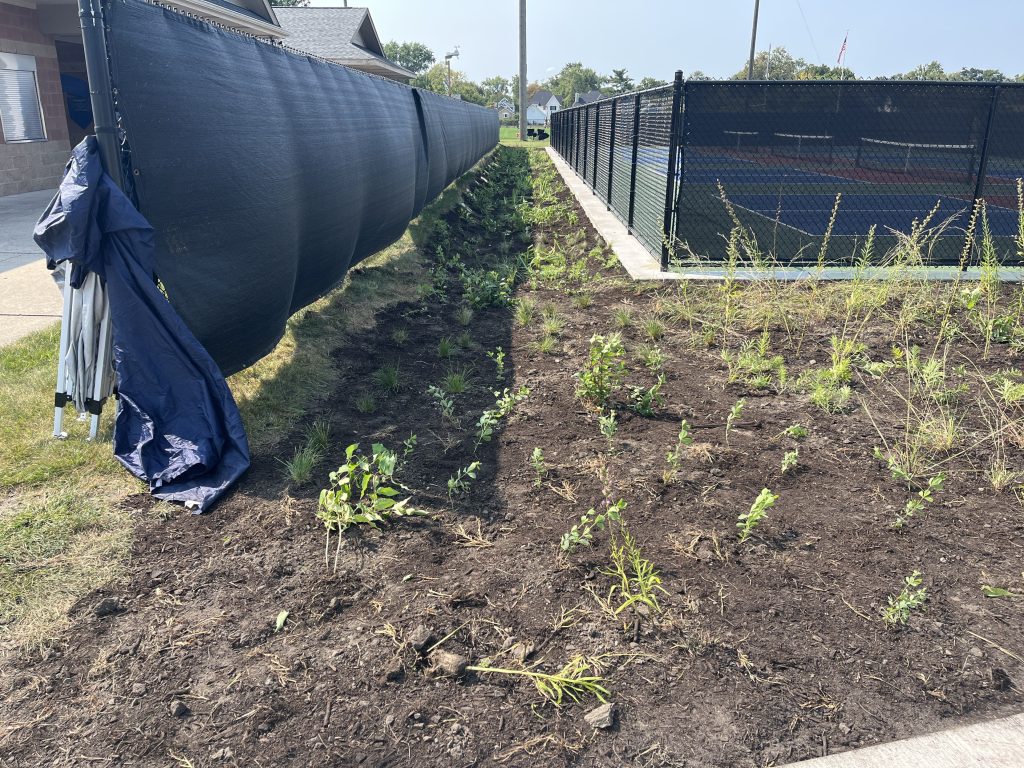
267,174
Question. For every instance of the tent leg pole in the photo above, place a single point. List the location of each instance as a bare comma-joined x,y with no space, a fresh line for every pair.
60,394
102,361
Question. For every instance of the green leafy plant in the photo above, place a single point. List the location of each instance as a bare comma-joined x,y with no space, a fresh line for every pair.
917,502
582,533
683,442
498,356
645,399
754,366
408,446
362,492
490,420
748,521
795,431
604,371
790,459
910,598
734,415
540,467
459,483
608,425
997,592
489,287
637,581
444,402
651,356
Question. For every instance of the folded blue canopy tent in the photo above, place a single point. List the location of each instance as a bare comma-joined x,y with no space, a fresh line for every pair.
247,178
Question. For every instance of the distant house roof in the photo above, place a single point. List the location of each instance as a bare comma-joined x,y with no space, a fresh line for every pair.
344,35
541,98
535,115
588,98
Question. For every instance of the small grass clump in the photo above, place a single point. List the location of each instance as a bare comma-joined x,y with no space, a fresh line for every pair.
366,403
456,381
387,378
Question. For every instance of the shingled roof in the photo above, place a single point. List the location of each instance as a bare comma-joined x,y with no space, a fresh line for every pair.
344,35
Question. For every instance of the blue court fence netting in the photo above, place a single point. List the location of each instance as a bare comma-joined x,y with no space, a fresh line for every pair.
796,162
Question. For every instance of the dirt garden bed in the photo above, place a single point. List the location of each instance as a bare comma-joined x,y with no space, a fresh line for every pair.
749,653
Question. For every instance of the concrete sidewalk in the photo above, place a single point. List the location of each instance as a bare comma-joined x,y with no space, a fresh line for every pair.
29,299
996,744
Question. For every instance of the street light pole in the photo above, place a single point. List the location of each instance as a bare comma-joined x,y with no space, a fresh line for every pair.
753,42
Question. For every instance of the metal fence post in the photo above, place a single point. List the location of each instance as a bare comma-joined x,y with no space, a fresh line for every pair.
983,163
611,152
576,141
632,170
597,141
673,145
586,130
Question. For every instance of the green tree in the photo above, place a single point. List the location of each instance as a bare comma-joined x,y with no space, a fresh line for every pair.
825,72
697,75
619,81
573,78
931,71
779,64
650,83
415,57
975,75
496,88
436,79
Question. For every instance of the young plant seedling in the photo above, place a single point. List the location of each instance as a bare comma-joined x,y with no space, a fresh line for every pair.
917,502
637,581
498,356
675,456
490,419
734,415
362,492
795,431
582,533
608,426
645,400
459,483
444,402
790,459
387,378
748,521
910,598
540,467
604,371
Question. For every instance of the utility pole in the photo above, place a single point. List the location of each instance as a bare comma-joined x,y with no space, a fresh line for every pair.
522,70
753,42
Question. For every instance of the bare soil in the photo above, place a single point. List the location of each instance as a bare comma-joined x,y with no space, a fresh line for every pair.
765,652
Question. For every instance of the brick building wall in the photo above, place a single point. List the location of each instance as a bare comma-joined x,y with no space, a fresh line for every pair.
30,166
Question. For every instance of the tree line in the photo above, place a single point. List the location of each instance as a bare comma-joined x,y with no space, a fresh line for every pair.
432,75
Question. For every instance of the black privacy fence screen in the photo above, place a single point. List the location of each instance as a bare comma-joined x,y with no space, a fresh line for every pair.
800,164
266,173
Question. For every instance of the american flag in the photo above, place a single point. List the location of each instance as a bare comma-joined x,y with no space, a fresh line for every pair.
842,50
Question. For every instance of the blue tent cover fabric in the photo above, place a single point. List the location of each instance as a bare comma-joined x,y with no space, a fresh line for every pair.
178,427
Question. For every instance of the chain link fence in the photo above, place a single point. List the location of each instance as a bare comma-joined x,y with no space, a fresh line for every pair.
802,165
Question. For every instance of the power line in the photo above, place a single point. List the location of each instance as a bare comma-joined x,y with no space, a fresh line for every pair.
809,35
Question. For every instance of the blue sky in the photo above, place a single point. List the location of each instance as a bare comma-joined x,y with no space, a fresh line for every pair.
656,37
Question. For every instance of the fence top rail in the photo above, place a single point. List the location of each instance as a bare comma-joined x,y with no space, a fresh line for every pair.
895,84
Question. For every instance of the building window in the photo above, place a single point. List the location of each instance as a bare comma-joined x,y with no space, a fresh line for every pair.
21,115
553,108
